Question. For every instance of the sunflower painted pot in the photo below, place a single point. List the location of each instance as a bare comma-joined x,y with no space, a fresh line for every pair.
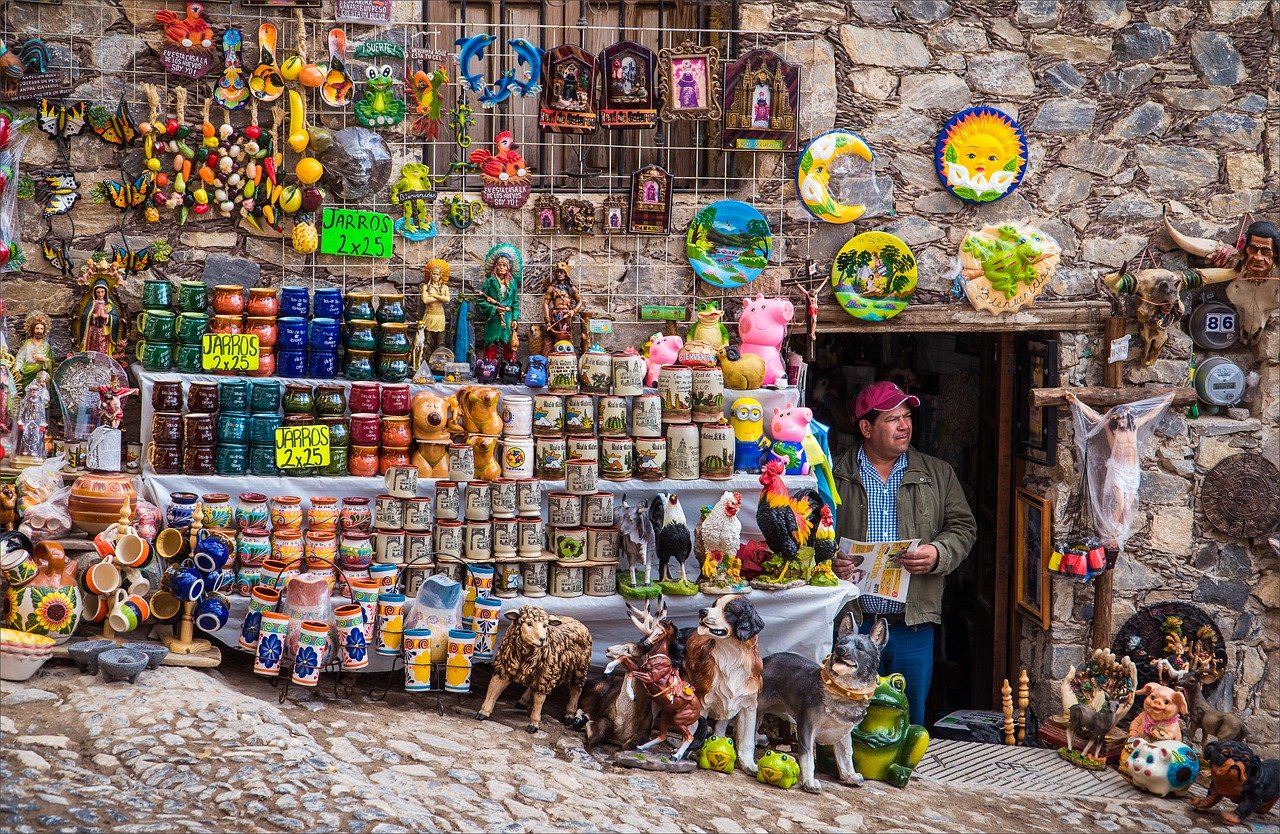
50,603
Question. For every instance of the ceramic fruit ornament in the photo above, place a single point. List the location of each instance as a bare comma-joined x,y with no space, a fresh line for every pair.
259,186
981,155
874,276
305,238
231,91
337,86
266,83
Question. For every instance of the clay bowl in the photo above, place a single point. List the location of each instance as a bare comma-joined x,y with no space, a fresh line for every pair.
155,652
20,667
121,664
96,499
85,654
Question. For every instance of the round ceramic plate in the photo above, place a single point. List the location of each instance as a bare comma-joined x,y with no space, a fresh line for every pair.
729,244
848,156
874,276
981,155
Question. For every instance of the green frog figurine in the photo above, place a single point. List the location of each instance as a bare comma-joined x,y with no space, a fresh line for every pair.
886,745
778,769
718,754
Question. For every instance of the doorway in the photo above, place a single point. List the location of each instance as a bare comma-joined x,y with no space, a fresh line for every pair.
966,418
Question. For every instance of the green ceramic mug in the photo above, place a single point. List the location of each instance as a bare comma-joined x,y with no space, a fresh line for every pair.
231,459
155,356
193,296
190,359
192,327
262,460
157,294
157,325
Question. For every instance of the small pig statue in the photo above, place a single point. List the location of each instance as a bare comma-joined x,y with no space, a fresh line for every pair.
663,350
1163,767
789,426
762,327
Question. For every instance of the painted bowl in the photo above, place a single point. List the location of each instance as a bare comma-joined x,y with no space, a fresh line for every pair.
155,652
121,664
85,654
23,638
20,667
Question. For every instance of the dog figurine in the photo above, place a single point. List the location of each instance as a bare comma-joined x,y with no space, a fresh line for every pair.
1161,707
1239,774
824,700
722,661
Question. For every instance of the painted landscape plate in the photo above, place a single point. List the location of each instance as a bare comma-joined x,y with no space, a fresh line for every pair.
845,155
981,155
874,276
729,244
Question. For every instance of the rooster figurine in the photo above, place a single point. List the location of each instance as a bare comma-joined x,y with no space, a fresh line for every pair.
787,521
673,542
824,540
190,32
716,540
505,164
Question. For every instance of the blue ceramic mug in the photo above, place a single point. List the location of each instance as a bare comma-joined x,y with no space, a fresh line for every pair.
295,301
291,364
323,335
326,302
212,613
182,506
211,554
186,584
322,365
291,333
262,431
233,427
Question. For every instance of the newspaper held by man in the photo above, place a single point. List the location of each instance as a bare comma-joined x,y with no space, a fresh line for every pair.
879,571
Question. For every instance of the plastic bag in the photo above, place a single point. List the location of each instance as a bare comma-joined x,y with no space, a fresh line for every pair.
49,519
13,138
1111,446
38,484
307,597
438,607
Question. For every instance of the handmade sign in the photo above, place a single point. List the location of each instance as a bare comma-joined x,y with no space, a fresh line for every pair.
650,201
188,49
415,193
981,155
568,91
1241,496
628,99
369,12
729,244
689,82
761,102
229,352
504,173
380,106
1003,268
37,80
847,156
302,446
361,234
874,276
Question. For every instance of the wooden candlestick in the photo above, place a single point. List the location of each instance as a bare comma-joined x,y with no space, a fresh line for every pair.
1006,704
1023,701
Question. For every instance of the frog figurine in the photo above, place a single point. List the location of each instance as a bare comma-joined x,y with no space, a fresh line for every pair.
718,753
380,107
414,192
778,769
886,745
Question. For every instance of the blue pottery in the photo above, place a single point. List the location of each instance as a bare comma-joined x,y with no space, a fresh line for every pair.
323,335
186,584
211,554
291,364
327,303
295,301
181,508
322,365
291,333
212,613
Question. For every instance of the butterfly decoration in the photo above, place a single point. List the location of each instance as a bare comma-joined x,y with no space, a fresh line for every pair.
114,128
59,191
140,260
61,122
56,253
125,195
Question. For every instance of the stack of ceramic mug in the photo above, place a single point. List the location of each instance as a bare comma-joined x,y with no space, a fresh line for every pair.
298,402
517,436
262,311
156,326
360,337
227,301
231,456
193,321
393,339
200,427
264,419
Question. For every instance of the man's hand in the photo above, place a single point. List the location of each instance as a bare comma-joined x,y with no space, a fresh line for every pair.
846,567
921,560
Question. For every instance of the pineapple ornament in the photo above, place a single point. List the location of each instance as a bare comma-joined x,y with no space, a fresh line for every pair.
305,237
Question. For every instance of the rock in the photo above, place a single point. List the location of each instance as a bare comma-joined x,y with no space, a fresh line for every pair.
1077,48
1059,658
958,36
1112,251
1148,119
1162,488
875,11
1171,17
1125,80
1252,103
1141,42
817,83
114,53
1038,14
893,124
1064,187
55,742
1109,13
1192,99
31,759
1235,128
1064,79
1173,170
25,694
1267,591
1231,11
417,771
875,83
1006,31
1216,59
1094,157
1176,462
941,90
1171,531
915,231
1065,117
883,47
727,825
1234,561
1229,593
1001,73
938,202
223,269
1129,207
924,10
755,17
538,794
1132,575
1244,170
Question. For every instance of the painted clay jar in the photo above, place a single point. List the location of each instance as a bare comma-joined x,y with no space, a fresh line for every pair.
226,325
286,512
617,458
166,396
322,513
264,397
457,672
286,545
476,503
506,579
601,578
364,397
271,642
583,448
393,338
675,387
569,544
251,510
390,623
566,579
581,476
506,537
359,365
18,563
531,537
528,497
393,367
362,334
716,451
353,651
253,545
364,592
96,499
202,397
646,416
263,301
683,451
449,538
179,512
263,328
228,300
488,612
535,575
388,513
366,429
48,604
477,544
397,400
216,507
611,418
261,601
266,363
708,395
651,458
517,415
330,401
564,509
502,498
390,308
548,415
355,514
517,457
355,550
595,371
447,500
337,462
597,509
462,462
313,642
362,461
417,660
321,548
602,544
628,373
580,415
396,432
562,373
358,305
298,399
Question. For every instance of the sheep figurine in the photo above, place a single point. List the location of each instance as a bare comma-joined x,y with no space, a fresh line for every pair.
541,652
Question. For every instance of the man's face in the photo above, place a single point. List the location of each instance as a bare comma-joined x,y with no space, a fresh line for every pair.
501,267
890,434
1259,256
38,330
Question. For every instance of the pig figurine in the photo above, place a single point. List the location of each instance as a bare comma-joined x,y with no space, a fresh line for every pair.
1163,767
789,426
663,350
762,327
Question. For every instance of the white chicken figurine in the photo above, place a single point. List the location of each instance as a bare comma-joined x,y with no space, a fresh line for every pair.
718,536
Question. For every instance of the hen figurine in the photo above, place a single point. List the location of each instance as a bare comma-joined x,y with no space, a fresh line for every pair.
503,165
190,32
787,521
716,542
674,541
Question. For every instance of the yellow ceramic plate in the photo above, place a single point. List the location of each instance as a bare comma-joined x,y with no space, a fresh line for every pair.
21,638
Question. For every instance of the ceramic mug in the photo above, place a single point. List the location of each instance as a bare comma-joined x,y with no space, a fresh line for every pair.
189,359
351,642
448,500
390,623
157,325
166,396
100,578
198,460
271,643
231,459
133,458
462,462
262,600
186,584
169,543
388,513
323,513
402,481
417,659
167,428
417,514
216,507
502,498
165,606
132,550
193,296
251,510
76,452
211,554
295,301
191,328
95,609
212,613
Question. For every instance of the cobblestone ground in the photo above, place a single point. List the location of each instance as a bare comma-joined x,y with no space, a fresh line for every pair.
187,750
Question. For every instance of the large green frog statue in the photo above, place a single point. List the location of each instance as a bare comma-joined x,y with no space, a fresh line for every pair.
886,745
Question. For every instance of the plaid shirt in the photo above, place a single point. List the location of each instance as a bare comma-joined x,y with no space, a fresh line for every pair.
882,520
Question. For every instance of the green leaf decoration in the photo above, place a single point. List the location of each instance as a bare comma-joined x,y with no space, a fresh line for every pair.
161,250
988,196
964,192
26,187
949,154
1012,165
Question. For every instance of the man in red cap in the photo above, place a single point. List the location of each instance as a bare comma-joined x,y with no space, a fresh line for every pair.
891,492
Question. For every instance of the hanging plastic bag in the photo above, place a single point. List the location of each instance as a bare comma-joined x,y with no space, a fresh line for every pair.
307,597
13,138
1112,446
438,607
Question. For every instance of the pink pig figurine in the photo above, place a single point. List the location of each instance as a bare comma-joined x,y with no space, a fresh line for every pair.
762,327
663,350
789,426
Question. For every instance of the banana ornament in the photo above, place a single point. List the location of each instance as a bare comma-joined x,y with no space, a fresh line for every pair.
298,136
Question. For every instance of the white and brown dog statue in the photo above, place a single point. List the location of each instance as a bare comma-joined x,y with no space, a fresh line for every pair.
722,663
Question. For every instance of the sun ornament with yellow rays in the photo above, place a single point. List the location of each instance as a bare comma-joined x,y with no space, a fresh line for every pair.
981,155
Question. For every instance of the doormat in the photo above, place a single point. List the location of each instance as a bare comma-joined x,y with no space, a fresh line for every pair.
1027,769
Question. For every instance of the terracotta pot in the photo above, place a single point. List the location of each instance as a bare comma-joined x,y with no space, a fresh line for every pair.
96,499
363,398
228,300
264,328
330,401
266,363
395,399
362,461
263,301
365,430
227,325
396,433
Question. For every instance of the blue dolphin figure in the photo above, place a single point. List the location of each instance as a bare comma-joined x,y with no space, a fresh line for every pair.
527,55
500,90
468,49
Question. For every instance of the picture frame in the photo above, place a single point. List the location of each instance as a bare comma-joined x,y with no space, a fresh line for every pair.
650,212
761,103
1033,542
1037,367
615,215
546,211
567,103
628,97
689,83
577,217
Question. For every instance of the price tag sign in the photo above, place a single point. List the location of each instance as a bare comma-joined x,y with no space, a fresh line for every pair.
229,352
302,446
357,234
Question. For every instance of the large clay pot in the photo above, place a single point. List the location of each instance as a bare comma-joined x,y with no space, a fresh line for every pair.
50,603
96,499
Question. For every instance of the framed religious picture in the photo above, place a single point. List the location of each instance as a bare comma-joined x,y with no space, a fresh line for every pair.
761,102
577,217
568,91
650,212
547,211
1037,425
615,214
628,99
1033,534
689,82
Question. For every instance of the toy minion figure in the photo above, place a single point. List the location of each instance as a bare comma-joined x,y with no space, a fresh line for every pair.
747,418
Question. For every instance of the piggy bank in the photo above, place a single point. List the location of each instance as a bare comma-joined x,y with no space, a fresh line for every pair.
718,753
536,374
789,427
1163,767
663,350
762,327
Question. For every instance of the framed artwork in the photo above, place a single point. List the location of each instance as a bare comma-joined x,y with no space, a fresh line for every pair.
615,214
1037,426
577,217
568,91
650,201
1033,534
689,82
547,210
761,102
628,99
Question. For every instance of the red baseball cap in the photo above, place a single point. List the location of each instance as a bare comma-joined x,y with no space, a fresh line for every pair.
881,396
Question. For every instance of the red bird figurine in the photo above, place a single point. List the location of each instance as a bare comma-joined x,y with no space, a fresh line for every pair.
787,521
506,164
190,32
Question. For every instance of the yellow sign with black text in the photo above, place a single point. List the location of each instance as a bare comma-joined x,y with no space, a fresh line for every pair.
298,447
229,352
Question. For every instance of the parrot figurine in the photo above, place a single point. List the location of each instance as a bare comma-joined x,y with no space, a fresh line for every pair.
428,88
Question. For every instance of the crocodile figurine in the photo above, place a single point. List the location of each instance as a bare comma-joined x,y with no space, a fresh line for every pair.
886,745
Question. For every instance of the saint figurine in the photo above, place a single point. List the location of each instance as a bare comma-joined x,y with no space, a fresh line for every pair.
98,320
35,354
110,408
435,295
561,304
31,423
499,304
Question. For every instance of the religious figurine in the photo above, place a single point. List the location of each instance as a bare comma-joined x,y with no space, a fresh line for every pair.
35,356
561,304
434,293
110,410
98,320
31,423
500,302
